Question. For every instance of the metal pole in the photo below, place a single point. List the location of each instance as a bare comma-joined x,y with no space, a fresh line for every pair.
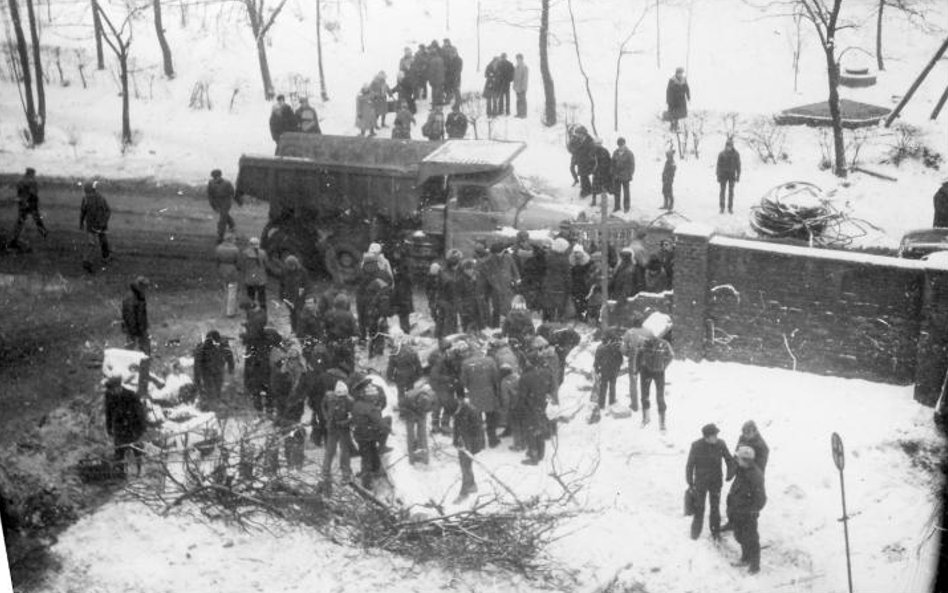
845,520
604,261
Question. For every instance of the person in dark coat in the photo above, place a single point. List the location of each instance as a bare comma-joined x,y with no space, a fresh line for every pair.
751,437
628,279
337,409
94,215
518,326
282,119
371,270
306,118
341,329
633,340
125,422
505,76
471,298
704,478
623,168
258,340
744,503
677,96
414,409
651,360
433,128
368,428
456,123
289,403
582,161
443,383
380,92
378,296
404,367
502,276
220,194
940,202
27,202
480,379
449,294
317,379
535,389
556,282
293,285
492,86
404,120
606,364
521,81
469,440
418,72
435,74
453,64
728,173
602,182
656,280
402,286
581,279
135,316
365,112
253,265
211,357
531,265
668,180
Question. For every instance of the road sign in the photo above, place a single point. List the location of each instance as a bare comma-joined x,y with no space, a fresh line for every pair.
839,456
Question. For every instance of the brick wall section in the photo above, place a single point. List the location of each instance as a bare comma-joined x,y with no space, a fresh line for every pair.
691,289
933,337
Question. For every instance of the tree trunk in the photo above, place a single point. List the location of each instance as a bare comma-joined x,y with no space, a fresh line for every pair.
615,98
97,29
126,117
582,70
658,37
832,76
256,27
918,81
162,41
29,106
549,93
879,62
319,52
39,133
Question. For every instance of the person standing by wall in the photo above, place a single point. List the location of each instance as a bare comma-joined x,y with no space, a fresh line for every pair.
521,81
728,173
704,478
653,358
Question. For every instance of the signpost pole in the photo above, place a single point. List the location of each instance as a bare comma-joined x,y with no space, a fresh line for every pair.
839,459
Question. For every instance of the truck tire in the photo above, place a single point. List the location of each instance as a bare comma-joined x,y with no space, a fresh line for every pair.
343,261
278,243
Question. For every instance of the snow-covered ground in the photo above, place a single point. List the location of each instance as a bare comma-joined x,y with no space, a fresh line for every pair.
633,503
738,58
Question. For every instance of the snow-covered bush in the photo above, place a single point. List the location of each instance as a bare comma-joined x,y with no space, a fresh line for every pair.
909,144
200,95
767,139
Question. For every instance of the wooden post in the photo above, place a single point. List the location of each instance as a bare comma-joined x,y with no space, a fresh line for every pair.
839,459
918,81
604,260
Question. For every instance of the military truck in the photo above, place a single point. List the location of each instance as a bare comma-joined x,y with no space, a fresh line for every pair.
330,196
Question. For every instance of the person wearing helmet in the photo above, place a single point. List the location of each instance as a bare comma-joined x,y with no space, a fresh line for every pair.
94,215
744,503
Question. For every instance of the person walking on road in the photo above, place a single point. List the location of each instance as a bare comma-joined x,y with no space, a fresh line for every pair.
744,503
220,194
728,173
135,315
521,80
27,200
703,474
94,215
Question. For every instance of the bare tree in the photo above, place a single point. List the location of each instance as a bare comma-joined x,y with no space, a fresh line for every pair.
162,41
622,52
260,26
909,8
582,70
119,40
97,30
35,120
40,79
319,51
549,93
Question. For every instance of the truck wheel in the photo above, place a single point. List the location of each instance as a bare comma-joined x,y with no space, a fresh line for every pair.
278,244
343,261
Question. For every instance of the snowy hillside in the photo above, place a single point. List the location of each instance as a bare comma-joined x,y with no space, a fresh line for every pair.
738,59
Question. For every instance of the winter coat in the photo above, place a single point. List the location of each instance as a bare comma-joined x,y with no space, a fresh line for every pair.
633,340
220,194
94,213
454,65
940,202
510,393
125,419
433,128
468,428
404,367
293,285
505,73
308,120
608,359
440,378
371,270
481,381
521,78
27,193
748,495
501,274
504,354
404,64
602,169
471,300
282,119
402,289
580,279
254,266
449,290
135,313
623,164
340,325
536,385
729,165
654,356
491,77
435,69
418,71
403,122
366,421
310,324
656,281
677,95
380,91
627,281
378,300
228,261
703,468
761,450
365,112
582,147
337,410
668,173
556,278
456,125
519,325
210,359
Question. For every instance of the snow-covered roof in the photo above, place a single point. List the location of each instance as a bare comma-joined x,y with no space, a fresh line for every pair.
487,153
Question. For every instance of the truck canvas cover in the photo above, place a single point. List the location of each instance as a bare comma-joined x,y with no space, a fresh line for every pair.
469,156
400,157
